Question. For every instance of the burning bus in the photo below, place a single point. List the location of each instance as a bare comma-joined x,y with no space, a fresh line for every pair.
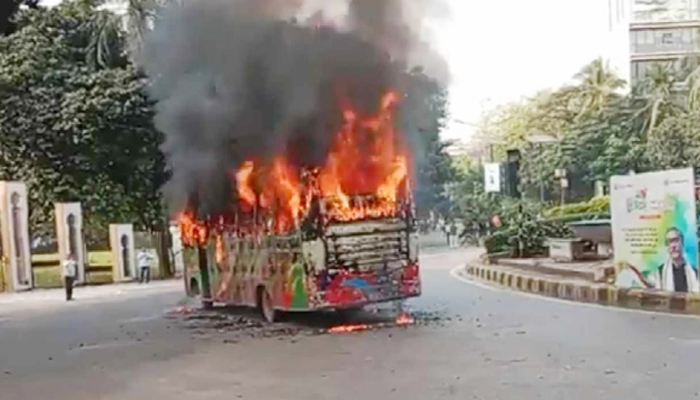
337,237
290,133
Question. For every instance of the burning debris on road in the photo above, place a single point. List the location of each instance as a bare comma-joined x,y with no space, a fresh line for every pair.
237,324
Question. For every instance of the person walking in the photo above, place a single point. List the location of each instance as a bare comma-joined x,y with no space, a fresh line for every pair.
70,269
144,260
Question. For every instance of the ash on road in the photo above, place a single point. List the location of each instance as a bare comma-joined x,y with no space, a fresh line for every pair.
467,343
232,323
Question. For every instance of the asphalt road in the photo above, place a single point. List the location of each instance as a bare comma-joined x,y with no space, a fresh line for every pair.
488,344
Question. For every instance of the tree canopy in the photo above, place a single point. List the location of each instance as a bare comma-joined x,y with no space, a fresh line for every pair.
421,116
75,130
595,132
76,120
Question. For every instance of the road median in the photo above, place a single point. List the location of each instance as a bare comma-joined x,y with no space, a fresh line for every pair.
581,290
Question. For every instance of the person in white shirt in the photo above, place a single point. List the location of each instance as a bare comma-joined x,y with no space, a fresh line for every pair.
70,269
144,262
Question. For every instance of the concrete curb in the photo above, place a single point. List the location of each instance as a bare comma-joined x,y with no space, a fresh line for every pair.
587,292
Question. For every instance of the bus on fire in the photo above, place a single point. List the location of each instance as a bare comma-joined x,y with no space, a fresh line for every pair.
295,238
338,265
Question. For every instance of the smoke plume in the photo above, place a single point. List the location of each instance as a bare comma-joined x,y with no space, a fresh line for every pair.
246,79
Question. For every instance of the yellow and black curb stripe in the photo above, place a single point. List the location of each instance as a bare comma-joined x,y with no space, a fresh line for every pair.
588,292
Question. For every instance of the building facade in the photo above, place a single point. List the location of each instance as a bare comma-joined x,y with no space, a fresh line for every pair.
661,31
616,49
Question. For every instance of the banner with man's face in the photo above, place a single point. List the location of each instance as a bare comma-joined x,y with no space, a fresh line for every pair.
654,229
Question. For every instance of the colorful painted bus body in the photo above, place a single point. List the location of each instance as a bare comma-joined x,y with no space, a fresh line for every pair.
347,266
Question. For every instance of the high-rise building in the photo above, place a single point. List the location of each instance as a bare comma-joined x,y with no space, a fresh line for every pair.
664,31
617,46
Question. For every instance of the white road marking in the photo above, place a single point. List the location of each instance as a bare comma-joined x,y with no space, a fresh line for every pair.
454,272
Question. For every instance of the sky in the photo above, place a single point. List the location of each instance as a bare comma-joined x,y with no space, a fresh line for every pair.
502,50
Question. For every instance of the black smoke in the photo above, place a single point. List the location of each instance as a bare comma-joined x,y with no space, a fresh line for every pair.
247,79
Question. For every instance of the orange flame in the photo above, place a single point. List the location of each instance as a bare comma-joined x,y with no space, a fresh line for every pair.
376,168
348,328
219,249
363,172
193,233
404,319
243,184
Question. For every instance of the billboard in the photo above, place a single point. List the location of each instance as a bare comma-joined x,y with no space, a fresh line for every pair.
492,177
654,229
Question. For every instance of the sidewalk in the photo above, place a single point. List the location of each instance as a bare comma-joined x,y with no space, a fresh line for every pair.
46,297
577,286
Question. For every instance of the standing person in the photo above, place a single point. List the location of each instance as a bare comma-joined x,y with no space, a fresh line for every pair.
446,231
70,268
144,262
453,234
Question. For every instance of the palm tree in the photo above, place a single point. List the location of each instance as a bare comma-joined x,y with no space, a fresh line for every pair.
598,84
140,17
692,81
658,94
114,21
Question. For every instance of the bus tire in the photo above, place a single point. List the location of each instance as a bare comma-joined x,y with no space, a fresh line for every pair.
265,305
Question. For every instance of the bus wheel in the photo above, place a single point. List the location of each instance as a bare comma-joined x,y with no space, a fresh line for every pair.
267,309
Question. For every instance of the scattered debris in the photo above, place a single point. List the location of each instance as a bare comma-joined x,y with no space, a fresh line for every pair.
233,323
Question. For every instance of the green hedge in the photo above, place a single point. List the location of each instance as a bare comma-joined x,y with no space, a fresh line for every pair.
524,230
597,206
497,243
565,219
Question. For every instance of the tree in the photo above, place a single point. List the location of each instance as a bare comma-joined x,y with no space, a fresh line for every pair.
657,97
598,85
472,204
421,116
594,132
8,13
73,132
676,142
108,27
